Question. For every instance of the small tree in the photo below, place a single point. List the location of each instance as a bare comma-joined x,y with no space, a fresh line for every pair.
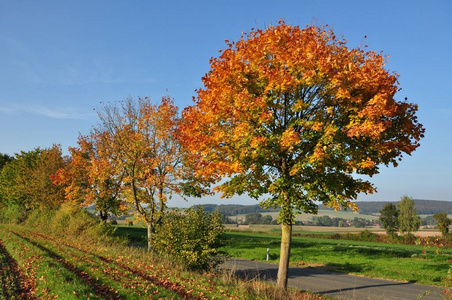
359,222
133,151
267,219
253,218
84,185
409,220
390,219
443,222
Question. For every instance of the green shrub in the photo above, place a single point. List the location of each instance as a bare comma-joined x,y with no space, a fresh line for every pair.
70,220
409,239
13,213
40,218
60,222
364,236
367,236
191,237
65,220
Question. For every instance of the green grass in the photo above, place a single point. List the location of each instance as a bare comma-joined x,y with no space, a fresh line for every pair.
47,277
77,268
81,271
11,283
135,234
398,262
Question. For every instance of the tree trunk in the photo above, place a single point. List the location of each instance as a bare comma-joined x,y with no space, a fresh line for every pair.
149,237
286,239
103,215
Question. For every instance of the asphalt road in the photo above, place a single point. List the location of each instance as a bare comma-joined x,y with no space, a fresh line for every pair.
335,285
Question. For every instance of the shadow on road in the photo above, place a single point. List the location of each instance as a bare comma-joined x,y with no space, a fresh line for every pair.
271,273
362,287
326,282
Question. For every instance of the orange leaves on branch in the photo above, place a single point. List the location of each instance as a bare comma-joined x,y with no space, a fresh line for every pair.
137,147
293,114
299,107
132,160
289,139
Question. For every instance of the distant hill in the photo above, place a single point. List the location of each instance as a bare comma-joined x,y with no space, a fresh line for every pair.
423,207
234,209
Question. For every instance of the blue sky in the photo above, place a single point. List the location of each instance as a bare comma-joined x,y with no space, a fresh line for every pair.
60,59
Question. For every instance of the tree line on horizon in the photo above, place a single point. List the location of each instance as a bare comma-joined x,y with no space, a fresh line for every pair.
423,207
235,209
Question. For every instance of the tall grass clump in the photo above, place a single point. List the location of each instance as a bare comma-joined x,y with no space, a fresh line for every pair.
72,221
12,214
265,290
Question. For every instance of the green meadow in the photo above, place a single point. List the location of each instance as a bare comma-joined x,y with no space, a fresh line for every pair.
410,263
372,259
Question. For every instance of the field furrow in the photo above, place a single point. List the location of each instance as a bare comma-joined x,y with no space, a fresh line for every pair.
176,287
84,268
51,278
14,284
138,277
105,291
116,275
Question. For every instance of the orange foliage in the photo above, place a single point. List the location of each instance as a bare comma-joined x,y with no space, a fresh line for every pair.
131,161
295,113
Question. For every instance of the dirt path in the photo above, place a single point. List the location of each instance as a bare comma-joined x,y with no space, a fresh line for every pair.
336,285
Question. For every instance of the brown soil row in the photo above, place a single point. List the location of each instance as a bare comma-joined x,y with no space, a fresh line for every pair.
19,285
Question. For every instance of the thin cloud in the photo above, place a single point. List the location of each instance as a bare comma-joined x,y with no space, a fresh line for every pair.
55,113
5,109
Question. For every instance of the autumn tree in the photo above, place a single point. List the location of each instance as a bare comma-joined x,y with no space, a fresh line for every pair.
409,220
4,159
292,114
253,218
84,185
443,222
25,181
390,219
135,143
